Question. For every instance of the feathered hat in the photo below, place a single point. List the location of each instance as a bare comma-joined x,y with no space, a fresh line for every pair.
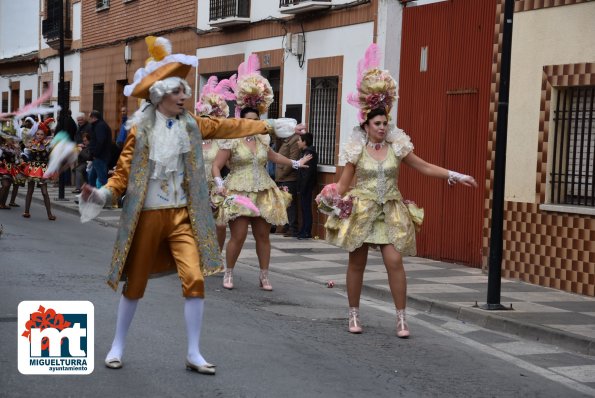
160,65
47,125
212,101
250,88
376,88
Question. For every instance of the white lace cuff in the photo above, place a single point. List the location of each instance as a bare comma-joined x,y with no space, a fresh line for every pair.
283,127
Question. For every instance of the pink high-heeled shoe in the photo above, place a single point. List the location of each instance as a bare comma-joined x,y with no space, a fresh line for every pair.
228,279
355,325
402,328
263,278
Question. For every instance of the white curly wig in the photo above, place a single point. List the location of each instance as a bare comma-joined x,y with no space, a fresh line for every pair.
144,117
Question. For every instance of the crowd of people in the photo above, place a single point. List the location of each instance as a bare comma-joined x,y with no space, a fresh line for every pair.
197,174
25,146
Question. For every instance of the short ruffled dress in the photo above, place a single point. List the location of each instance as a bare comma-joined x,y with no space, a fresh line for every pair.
248,177
378,216
8,163
38,159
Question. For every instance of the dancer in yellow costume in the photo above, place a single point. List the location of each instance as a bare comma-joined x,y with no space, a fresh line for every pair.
213,103
248,176
379,216
166,221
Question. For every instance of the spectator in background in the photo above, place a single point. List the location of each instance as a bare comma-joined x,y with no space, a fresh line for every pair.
306,183
99,146
83,127
286,176
118,144
123,133
84,156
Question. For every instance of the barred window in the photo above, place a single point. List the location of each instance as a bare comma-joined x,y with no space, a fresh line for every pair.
573,158
323,117
101,4
221,9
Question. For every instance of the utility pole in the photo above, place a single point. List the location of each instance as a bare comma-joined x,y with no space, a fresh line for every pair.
495,258
62,100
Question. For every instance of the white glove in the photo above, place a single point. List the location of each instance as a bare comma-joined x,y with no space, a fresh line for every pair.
454,177
91,207
283,127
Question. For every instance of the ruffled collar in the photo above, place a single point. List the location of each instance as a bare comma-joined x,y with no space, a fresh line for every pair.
168,139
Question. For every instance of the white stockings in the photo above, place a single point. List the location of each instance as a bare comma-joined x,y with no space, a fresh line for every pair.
193,312
126,310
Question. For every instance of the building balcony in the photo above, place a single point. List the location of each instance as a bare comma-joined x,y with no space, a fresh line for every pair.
223,13
50,29
301,6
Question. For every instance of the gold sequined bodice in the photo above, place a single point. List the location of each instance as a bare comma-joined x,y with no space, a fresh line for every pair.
248,170
377,180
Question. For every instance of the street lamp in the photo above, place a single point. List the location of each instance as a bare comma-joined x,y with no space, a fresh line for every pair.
62,100
495,257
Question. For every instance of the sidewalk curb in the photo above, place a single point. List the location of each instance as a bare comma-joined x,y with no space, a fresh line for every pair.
67,209
488,320
482,318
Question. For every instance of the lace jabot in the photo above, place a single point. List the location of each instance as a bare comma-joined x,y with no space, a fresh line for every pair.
168,139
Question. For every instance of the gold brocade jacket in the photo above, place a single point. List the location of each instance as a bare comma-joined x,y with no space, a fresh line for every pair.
132,176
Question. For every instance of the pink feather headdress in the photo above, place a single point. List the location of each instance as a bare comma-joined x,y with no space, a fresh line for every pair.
376,88
251,88
213,98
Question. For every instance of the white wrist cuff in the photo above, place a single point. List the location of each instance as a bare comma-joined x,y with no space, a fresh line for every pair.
219,182
454,177
295,164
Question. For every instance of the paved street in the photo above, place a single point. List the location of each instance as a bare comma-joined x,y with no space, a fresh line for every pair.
291,342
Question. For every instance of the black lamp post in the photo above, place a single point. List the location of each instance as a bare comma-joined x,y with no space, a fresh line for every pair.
496,239
62,100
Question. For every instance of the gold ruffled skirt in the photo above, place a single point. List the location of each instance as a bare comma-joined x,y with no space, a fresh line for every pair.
272,204
374,223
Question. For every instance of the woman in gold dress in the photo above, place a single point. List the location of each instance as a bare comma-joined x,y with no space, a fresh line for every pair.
213,103
248,177
379,216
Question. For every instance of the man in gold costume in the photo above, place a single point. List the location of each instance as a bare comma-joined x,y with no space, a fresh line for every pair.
166,222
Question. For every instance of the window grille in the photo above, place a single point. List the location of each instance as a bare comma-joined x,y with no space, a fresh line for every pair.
101,4
323,117
221,9
285,3
573,158
274,78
